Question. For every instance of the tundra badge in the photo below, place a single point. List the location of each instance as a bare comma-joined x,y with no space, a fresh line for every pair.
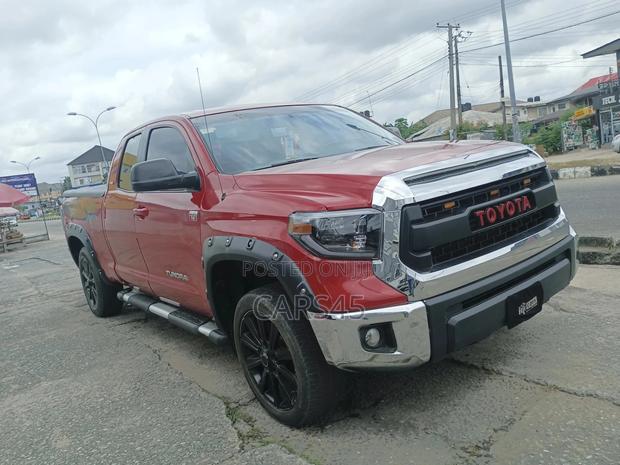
175,275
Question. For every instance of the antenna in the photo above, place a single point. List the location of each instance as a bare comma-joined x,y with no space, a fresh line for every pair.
204,111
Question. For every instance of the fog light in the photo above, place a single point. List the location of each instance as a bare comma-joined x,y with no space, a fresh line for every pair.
372,338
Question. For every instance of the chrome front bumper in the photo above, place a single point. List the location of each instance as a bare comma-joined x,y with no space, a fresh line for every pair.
340,340
339,334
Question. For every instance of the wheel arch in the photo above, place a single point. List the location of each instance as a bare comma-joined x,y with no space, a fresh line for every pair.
234,265
77,238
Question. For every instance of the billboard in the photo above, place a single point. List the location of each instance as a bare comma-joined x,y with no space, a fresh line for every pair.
25,183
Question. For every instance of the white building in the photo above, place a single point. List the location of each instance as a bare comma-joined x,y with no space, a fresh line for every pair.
88,168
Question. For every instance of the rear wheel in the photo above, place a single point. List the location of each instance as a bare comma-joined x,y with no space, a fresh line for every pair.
100,296
281,359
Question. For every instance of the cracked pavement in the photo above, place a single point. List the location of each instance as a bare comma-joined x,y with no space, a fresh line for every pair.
134,389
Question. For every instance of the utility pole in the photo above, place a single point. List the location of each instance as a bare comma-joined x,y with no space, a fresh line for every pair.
459,103
516,133
450,28
460,37
502,96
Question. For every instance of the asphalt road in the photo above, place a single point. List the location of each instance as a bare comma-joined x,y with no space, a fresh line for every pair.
592,205
130,389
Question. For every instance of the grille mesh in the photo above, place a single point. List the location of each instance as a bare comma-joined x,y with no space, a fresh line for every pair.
435,209
492,238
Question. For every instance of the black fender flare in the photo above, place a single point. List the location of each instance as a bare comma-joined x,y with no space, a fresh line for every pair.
80,233
253,253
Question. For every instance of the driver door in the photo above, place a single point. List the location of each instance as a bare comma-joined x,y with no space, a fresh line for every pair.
168,225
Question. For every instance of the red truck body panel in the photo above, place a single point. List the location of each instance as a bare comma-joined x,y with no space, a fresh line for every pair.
139,237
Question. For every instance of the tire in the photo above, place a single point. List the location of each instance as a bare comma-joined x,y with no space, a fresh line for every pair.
100,295
286,370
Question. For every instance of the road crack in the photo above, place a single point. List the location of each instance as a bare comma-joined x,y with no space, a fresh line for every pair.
538,382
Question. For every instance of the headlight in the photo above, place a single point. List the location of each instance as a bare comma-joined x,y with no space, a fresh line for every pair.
341,234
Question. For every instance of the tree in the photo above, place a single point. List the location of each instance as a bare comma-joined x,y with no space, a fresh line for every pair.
66,183
403,126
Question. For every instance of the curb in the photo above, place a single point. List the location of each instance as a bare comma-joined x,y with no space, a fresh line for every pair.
592,250
584,171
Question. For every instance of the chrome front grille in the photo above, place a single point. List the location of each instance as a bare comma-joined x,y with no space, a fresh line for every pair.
442,232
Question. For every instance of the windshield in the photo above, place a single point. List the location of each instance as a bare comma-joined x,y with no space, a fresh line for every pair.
249,140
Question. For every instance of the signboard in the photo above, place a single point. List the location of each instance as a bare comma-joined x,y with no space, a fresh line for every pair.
608,85
584,112
25,183
602,101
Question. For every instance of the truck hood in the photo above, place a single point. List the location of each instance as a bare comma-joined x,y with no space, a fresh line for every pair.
348,180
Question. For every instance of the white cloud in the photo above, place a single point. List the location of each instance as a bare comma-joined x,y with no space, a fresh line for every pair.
141,56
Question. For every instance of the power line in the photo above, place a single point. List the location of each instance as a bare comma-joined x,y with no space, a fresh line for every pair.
386,79
543,33
407,85
365,68
401,80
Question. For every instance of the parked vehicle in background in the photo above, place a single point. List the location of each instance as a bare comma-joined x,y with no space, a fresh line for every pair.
615,143
314,239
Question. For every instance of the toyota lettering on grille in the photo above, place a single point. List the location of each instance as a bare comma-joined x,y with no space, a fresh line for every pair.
502,211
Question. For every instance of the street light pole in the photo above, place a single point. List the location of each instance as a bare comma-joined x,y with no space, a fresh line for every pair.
36,184
95,123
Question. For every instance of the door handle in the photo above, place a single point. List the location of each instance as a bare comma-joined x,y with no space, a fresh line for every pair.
141,212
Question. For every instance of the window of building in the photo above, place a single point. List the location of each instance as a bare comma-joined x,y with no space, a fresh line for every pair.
130,158
561,106
169,143
83,169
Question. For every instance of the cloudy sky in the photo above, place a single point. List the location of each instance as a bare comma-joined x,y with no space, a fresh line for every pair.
141,56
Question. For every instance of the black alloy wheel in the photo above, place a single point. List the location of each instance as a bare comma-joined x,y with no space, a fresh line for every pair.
88,283
282,361
99,292
268,361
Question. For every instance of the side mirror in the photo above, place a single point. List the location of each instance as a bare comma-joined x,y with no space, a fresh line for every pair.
159,175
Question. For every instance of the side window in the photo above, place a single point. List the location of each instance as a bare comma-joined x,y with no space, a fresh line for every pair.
130,158
169,143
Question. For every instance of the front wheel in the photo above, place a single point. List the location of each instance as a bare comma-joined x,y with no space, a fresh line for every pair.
281,359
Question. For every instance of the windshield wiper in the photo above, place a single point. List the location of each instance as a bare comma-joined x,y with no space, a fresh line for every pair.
287,162
371,147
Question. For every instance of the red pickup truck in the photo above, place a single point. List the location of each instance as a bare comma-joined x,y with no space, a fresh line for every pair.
315,239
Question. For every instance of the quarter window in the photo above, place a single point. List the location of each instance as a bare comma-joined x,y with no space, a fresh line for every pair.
169,143
130,158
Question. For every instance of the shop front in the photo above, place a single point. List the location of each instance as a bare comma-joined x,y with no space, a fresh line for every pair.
608,107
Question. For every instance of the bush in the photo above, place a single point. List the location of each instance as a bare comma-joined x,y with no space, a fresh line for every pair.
550,137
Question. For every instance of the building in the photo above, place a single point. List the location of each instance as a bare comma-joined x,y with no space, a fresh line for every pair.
529,110
606,102
88,168
491,107
50,191
439,129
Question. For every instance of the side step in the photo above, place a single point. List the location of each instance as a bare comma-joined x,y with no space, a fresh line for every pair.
184,319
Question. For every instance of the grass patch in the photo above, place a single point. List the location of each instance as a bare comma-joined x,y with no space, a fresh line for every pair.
235,413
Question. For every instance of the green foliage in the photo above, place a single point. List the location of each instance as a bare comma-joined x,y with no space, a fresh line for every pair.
417,127
405,128
550,137
66,183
